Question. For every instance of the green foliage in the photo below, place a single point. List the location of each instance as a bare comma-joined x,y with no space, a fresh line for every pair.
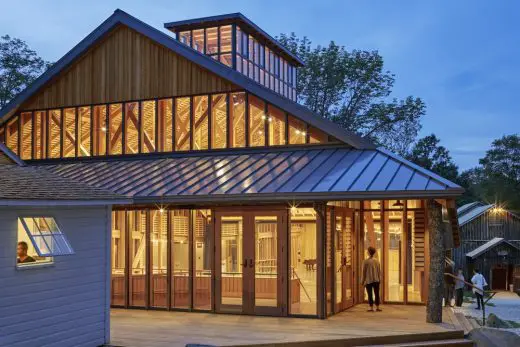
428,153
353,89
497,179
19,67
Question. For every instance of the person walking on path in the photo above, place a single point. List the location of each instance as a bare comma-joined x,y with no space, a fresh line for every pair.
370,278
479,282
459,288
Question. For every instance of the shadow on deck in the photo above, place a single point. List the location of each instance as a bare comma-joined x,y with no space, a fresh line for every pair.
135,328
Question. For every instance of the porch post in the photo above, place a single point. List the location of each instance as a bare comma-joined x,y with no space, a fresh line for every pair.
436,280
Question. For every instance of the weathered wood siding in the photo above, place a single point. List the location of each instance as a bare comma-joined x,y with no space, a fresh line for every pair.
482,229
64,304
126,66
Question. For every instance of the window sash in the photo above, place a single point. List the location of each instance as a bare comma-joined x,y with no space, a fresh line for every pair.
47,243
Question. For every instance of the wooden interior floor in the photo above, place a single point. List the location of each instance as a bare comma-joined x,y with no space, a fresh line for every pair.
135,328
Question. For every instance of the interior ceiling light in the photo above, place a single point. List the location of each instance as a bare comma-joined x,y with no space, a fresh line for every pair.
398,203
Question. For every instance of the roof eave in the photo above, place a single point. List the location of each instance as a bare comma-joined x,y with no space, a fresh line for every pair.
291,197
69,202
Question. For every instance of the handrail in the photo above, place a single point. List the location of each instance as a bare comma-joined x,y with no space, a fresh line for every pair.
468,283
490,292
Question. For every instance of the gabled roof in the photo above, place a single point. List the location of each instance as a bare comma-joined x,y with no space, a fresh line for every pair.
122,18
23,185
473,212
244,23
275,175
467,207
489,245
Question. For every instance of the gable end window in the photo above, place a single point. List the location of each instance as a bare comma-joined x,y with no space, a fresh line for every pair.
40,239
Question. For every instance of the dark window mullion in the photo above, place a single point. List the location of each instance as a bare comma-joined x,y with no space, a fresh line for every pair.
234,46
173,124
204,42
286,128
210,121
139,126
247,117
266,125
33,132
157,126
123,128
76,131
192,123
228,121
107,129
62,131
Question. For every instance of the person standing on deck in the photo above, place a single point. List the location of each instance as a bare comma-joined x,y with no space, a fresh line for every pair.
479,282
370,278
459,288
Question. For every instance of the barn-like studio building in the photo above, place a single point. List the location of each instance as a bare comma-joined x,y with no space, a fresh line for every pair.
226,195
490,243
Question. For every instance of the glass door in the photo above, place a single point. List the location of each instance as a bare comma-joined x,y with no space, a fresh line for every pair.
344,250
249,258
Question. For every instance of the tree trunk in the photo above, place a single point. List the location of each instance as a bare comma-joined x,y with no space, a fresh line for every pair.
436,283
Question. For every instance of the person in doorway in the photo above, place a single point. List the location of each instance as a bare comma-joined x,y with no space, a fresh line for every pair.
449,283
370,278
479,282
459,288
21,251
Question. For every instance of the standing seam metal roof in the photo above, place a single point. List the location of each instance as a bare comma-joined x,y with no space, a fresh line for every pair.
487,246
314,173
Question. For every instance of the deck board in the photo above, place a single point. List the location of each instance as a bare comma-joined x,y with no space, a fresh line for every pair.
135,328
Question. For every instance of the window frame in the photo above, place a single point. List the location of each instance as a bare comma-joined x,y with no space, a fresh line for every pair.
50,254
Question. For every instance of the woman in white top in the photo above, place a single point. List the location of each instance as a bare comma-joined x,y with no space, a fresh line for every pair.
479,282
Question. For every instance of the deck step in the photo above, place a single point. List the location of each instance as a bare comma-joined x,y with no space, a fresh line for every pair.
444,343
453,338
466,325
474,323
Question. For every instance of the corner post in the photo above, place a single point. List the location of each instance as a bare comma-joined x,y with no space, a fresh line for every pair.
436,278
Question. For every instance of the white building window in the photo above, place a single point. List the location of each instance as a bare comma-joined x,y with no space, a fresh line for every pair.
40,239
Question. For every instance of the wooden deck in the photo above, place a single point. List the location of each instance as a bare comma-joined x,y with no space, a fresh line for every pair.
134,328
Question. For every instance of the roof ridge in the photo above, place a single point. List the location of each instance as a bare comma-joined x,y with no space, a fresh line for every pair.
221,70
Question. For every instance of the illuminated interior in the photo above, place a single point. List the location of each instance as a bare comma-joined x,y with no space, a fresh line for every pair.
249,56
202,122
233,260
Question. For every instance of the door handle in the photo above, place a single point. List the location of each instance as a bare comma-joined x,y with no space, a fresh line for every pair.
251,263
244,264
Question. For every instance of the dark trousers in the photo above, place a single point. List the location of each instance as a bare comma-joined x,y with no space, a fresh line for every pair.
459,296
375,288
448,293
480,300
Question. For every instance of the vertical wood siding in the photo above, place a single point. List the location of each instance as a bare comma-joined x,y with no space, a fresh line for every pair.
480,230
126,66
61,305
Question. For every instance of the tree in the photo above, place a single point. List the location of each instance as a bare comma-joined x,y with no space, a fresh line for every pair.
429,154
19,67
501,172
352,89
497,179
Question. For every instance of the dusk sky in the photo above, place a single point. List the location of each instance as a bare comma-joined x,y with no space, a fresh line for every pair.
461,57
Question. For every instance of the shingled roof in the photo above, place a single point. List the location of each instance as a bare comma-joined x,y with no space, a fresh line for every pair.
30,185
